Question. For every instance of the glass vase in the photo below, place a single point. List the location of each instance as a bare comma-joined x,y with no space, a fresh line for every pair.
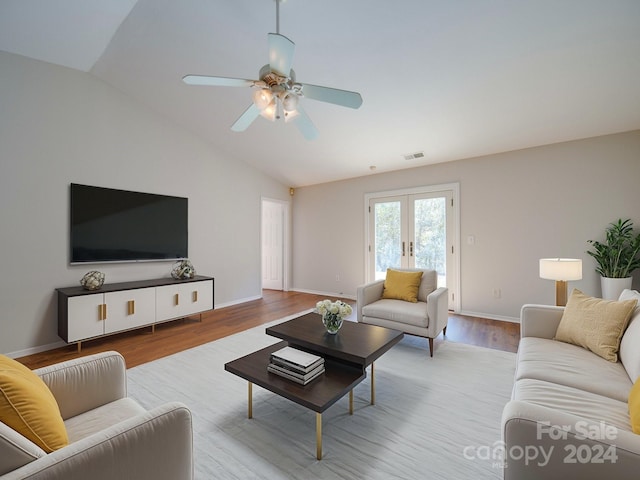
332,322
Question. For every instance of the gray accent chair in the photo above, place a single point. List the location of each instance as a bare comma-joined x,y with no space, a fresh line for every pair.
426,318
110,435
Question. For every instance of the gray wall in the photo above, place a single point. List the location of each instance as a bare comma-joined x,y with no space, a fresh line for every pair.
59,126
520,206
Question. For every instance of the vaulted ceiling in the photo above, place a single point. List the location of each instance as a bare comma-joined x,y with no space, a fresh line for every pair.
451,78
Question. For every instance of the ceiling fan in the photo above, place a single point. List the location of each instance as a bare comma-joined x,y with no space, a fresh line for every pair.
277,93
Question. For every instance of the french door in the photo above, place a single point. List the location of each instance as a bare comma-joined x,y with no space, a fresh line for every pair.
415,229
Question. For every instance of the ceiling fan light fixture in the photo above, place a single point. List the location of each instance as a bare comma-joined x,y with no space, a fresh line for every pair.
289,101
277,93
290,115
263,98
270,112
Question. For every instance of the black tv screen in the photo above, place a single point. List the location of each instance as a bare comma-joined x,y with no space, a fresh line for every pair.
109,225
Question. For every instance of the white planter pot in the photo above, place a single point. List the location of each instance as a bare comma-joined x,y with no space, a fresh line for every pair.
613,287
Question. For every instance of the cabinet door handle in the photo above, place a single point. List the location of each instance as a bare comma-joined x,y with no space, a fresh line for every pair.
102,311
195,296
131,307
176,299
403,249
411,249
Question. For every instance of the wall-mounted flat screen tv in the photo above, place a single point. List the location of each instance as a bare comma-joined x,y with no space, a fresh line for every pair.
109,225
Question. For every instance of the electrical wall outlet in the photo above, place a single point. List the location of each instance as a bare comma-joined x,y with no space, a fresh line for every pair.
497,293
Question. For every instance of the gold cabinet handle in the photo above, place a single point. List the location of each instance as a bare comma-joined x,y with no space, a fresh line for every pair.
131,307
195,296
102,311
176,299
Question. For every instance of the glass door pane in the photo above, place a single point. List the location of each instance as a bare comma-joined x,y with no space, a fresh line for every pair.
388,242
428,248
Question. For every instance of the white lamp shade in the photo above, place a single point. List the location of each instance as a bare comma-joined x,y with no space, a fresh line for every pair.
262,98
564,269
289,116
289,101
270,112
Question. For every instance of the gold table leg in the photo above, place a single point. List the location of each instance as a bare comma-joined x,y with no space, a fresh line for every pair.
373,386
250,402
351,402
319,436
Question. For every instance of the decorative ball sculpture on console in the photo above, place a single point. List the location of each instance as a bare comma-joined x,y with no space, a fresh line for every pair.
183,270
92,280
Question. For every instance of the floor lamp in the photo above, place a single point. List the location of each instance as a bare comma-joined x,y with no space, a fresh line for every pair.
561,270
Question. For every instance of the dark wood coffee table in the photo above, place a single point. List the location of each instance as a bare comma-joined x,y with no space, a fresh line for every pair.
347,355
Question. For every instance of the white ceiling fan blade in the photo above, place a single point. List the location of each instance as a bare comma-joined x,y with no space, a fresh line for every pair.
305,125
280,54
343,98
217,81
249,115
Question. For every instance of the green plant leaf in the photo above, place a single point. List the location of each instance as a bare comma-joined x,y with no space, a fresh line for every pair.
618,256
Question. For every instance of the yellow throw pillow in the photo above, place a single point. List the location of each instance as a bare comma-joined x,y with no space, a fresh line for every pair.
634,407
28,406
402,285
595,324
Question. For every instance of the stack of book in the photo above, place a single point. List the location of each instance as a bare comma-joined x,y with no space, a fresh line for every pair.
296,365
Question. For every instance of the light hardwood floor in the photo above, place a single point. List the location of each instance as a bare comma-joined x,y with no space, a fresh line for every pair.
141,346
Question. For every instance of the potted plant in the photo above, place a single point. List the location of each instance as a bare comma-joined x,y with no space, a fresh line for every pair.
617,258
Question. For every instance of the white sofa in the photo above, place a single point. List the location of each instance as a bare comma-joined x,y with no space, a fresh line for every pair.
569,417
110,435
425,318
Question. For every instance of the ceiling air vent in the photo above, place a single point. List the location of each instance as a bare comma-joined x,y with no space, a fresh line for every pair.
413,156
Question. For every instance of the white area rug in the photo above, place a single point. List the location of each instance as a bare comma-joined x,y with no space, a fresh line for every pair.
432,417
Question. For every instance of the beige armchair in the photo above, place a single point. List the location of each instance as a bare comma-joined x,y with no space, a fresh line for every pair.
110,435
425,318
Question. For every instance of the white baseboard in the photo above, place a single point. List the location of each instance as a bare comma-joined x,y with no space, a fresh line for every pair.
236,302
328,294
32,350
489,316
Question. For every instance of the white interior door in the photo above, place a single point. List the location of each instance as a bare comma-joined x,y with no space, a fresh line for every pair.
414,229
273,235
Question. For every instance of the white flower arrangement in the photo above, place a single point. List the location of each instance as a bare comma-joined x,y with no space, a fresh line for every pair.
333,313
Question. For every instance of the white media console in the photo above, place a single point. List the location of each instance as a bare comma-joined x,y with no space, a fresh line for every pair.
85,314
